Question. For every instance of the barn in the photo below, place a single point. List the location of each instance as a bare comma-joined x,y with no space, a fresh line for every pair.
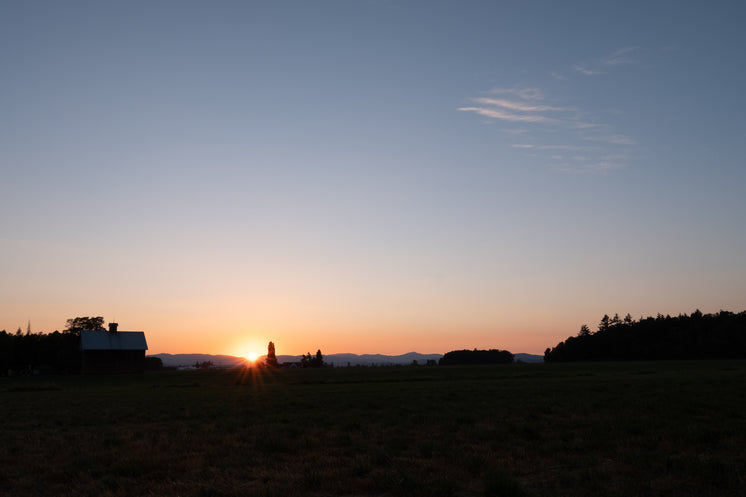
112,351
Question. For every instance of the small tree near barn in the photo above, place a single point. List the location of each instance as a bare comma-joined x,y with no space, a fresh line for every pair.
78,324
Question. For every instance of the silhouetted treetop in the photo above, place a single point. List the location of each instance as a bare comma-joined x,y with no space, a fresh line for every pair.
76,325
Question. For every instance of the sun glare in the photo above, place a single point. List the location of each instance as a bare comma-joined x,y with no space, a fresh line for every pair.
252,356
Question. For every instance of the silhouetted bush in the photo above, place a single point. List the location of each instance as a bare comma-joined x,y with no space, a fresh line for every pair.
153,364
492,356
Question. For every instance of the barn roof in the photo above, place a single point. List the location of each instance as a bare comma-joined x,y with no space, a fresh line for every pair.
121,340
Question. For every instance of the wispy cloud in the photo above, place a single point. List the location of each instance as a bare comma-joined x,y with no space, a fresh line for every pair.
565,147
600,65
588,165
519,106
522,93
526,108
604,165
621,56
587,71
496,113
515,131
586,125
554,133
572,148
603,64
615,139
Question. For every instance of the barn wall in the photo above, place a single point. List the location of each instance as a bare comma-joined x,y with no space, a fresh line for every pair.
113,361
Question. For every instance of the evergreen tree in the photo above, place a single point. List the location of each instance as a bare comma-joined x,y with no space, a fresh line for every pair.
271,357
604,324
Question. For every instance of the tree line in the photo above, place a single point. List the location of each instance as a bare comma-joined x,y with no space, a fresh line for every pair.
54,352
699,336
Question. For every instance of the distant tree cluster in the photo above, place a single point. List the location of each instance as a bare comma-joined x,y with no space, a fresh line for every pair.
203,365
699,336
492,356
309,361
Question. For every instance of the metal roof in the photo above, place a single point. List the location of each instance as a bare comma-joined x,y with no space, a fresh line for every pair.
121,340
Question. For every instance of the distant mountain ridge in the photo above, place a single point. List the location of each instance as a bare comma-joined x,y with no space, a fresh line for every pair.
339,360
171,360
369,359
528,358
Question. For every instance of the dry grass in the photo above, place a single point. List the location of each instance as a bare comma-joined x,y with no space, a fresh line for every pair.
577,430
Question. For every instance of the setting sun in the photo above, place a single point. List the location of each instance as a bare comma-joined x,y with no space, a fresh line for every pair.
252,356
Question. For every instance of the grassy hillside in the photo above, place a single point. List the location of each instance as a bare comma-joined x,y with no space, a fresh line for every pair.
617,429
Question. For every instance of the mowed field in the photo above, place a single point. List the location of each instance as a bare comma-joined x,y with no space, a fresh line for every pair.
589,429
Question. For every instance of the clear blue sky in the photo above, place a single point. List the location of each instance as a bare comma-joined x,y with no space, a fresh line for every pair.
369,176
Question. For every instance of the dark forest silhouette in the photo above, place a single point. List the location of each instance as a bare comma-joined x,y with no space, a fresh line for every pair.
27,352
700,336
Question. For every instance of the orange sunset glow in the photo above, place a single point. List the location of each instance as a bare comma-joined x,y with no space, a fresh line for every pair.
370,181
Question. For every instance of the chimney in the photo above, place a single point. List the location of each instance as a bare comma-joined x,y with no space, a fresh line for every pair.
113,327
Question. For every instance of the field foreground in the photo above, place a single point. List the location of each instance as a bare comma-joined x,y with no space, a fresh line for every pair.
592,429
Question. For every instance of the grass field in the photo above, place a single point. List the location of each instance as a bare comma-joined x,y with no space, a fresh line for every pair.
596,429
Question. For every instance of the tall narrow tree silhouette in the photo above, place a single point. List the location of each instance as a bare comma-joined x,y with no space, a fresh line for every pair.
271,357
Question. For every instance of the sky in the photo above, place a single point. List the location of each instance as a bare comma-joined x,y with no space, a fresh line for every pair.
369,176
